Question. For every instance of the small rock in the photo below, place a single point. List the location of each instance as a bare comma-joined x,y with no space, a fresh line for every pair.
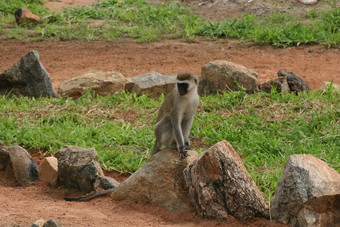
27,77
309,2
24,15
219,185
307,194
220,76
280,84
101,83
296,84
152,83
78,168
160,182
51,223
22,166
326,85
39,223
48,171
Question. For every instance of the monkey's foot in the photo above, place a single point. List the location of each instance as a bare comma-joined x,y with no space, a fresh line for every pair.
183,154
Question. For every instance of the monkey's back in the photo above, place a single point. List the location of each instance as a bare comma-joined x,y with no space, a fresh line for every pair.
166,107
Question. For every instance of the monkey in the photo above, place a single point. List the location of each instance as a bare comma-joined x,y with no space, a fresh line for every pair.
176,114
91,196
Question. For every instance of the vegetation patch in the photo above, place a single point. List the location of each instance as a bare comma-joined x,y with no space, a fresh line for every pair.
144,23
265,128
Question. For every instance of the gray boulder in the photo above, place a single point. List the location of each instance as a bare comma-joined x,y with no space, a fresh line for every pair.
78,168
101,83
295,83
27,77
220,76
219,185
160,182
307,194
152,83
22,166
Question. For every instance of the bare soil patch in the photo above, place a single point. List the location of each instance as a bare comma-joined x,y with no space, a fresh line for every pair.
66,59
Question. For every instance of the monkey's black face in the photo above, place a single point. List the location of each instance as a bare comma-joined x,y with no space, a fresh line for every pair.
182,88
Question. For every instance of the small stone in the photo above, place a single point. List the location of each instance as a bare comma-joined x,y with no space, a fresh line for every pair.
48,171
24,15
51,223
39,223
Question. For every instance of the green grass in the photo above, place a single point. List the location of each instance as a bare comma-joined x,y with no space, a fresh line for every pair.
145,23
265,129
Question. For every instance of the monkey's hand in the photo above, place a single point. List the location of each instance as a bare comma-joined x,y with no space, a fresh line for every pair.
182,152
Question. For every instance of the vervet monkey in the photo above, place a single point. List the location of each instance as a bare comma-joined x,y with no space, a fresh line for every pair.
176,115
91,196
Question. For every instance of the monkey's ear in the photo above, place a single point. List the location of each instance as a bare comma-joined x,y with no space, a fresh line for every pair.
196,79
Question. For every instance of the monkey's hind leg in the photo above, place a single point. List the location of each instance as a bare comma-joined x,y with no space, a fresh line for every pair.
163,133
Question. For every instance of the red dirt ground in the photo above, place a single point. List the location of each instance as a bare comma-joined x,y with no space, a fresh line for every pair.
64,60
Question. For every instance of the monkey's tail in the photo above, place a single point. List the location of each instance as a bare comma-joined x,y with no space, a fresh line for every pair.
91,196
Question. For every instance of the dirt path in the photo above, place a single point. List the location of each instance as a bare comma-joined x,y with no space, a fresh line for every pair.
64,60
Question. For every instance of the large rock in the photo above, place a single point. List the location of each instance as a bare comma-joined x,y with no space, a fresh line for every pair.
295,83
160,182
152,83
22,166
307,194
48,171
220,76
219,185
78,168
101,83
27,77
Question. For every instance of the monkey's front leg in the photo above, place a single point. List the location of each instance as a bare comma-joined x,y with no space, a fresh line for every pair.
179,138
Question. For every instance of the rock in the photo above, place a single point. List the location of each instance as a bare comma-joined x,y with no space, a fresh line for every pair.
24,15
219,185
27,77
51,223
326,86
39,223
219,76
48,171
78,168
296,84
152,83
101,83
106,183
22,166
280,84
309,2
160,182
307,194
4,156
